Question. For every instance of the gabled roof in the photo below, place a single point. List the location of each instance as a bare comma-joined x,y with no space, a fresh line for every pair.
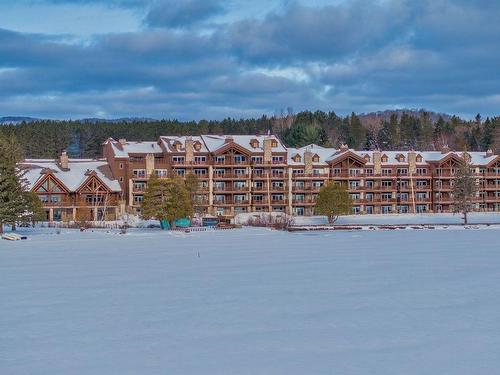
74,176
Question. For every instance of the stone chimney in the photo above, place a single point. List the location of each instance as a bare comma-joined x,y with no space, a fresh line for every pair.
308,162
377,162
189,150
122,141
412,161
268,150
344,147
489,153
150,164
229,139
445,149
64,160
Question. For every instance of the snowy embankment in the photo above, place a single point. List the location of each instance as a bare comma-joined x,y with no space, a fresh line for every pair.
250,301
402,219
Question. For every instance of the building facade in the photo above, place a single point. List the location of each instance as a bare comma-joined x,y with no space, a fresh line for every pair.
258,173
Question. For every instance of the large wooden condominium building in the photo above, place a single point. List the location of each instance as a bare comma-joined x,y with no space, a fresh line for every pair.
258,173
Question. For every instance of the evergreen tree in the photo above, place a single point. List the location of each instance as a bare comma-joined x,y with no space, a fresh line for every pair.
13,202
333,200
464,187
166,199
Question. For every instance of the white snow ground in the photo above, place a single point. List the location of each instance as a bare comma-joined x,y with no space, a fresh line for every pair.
254,301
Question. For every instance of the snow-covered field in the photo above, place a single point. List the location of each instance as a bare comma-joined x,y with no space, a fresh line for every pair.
251,301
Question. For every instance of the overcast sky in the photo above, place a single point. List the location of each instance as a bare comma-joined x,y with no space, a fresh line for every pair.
193,59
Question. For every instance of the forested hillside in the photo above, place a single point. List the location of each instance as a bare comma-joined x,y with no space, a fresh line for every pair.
388,131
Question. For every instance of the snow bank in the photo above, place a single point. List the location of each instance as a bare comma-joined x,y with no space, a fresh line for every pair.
447,218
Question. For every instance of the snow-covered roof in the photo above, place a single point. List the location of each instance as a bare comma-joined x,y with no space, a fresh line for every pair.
73,177
324,154
215,142
168,143
123,150
329,154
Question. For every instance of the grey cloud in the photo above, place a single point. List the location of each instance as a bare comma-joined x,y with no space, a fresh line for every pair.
182,13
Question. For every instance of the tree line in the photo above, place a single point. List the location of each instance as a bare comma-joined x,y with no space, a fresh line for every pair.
401,130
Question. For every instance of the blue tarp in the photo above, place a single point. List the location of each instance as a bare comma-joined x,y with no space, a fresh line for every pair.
182,223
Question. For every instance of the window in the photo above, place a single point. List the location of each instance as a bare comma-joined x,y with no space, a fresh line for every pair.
421,171
121,179
200,159
258,184
354,172
220,172
55,199
240,172
277,184
337,171
355,196
421,208
354,185
386,183
277,159
177,159
421,196
239,159
297,171
200,172
299,184
180,172
403,196
386,196
317,184
369,197
161,173
421,183
386,171
277,197
258,198
139,186
386,209
139,173
369,184
136,159
220,159
220,185
299,197
239,184
257,159
402,171
121,165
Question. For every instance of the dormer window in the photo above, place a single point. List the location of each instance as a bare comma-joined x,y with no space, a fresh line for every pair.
384,158
197,146
419,158
296,158
274,143
177,145
254,143
315,158
400,158
367,158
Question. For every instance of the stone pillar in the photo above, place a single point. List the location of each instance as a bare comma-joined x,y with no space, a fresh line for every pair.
64,160
210,186
412,162
51,214
268,150
189,158
74,214
130,192
377,162
308,163
150,164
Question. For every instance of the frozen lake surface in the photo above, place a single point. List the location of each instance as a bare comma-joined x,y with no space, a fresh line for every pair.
251,301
